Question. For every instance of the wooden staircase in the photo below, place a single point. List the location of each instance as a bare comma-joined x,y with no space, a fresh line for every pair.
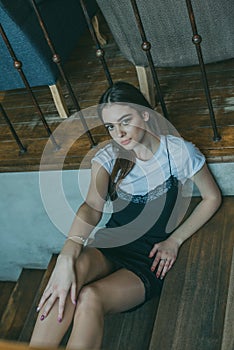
195,309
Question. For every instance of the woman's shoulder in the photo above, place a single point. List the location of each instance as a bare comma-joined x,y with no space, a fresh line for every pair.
174,140
186,158
178,143
108,150
106,156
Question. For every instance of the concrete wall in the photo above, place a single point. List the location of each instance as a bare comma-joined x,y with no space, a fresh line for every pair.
36,211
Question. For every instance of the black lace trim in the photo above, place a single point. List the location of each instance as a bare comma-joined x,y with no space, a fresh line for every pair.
153,194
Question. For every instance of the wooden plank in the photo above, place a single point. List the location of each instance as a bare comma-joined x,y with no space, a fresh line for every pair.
36,141
131,330
192,306
5,292
19,304
9,345
26,332
228,331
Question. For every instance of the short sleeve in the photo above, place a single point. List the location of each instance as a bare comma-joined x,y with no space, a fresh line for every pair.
106,156
186,158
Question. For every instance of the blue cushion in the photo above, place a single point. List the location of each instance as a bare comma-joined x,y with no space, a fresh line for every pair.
65,23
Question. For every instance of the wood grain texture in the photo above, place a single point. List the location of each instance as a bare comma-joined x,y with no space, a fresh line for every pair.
181,87
27,329
5,292
9,345
228,329
193,302
130,330
19,304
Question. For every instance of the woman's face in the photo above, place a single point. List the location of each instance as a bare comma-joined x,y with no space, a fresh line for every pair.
125,125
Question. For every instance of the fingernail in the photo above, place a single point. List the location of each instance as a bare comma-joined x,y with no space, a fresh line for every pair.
74,302
42,317
60,319
38,309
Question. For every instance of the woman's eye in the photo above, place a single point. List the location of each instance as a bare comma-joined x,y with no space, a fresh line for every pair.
109,127
125,122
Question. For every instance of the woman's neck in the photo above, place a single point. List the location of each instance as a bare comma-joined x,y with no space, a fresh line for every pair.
147,148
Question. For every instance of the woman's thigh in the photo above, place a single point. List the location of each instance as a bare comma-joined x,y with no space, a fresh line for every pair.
92,265
117,292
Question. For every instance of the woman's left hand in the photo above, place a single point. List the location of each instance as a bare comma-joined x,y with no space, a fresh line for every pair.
165,254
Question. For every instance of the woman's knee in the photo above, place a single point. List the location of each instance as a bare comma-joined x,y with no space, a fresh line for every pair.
90,298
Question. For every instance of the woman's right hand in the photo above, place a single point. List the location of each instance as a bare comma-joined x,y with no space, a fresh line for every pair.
62,280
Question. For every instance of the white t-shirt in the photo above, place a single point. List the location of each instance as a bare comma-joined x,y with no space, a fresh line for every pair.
185,161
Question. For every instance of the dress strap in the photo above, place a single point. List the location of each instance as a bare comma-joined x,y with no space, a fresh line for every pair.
168,156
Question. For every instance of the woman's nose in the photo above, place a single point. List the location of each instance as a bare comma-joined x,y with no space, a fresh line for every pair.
120,131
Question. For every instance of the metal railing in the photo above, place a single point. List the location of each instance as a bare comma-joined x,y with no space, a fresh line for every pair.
100,53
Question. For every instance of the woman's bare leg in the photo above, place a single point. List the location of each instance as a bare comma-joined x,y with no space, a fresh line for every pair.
117,292
90,266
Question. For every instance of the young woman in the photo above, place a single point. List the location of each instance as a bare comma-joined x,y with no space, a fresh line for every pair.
142,171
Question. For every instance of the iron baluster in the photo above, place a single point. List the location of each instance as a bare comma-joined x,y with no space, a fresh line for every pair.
22,148
100,53
18,65
146,46
57,59
197,41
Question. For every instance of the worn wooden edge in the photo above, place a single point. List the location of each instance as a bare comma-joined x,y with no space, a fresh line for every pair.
6,288
9,345
29,323
228,330
19,303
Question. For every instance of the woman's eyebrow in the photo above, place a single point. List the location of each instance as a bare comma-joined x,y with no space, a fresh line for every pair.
118,120
124,116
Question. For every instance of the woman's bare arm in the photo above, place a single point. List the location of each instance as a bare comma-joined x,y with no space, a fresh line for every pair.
63,277
166,252
90,212
211,200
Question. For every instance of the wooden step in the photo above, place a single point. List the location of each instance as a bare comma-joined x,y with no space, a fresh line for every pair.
228,329
190,313
27,329
131,330
9,345
6,288
19,303
193,301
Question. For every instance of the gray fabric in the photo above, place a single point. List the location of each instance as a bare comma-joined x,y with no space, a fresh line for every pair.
168,29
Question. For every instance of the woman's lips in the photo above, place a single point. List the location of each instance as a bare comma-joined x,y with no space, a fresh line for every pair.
125,142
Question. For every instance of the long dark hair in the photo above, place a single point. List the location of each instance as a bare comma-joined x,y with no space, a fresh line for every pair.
124,93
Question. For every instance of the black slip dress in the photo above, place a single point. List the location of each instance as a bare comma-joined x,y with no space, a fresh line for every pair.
144,217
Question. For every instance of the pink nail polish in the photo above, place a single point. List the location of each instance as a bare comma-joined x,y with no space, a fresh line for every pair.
59,319
42,317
